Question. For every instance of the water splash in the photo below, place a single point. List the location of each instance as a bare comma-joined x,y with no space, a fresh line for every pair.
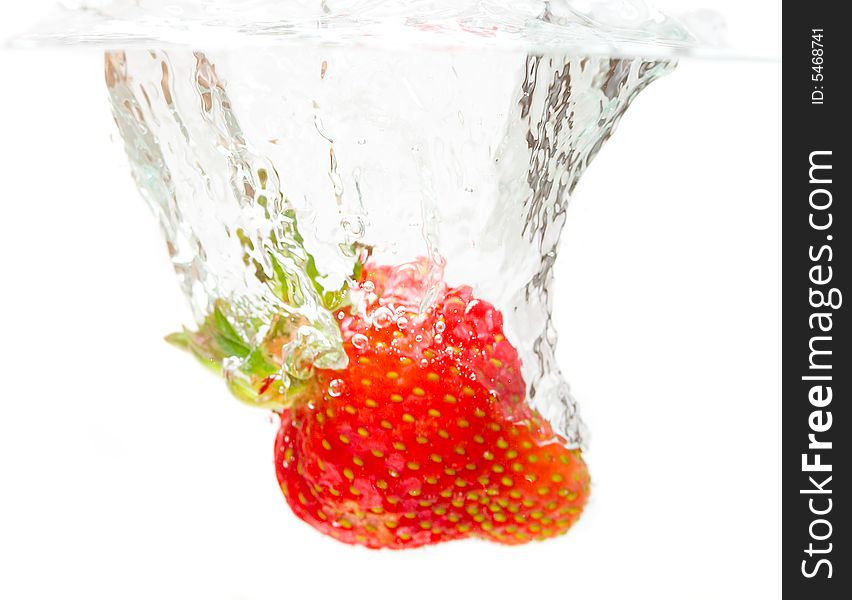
568,107
231,234
274,172
591,27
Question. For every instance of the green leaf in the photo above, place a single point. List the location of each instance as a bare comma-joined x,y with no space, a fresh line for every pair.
226,336
179,339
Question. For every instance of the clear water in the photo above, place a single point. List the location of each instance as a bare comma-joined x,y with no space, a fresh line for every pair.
465,156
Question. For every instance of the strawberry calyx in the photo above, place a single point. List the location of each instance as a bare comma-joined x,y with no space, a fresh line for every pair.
267,348
253,372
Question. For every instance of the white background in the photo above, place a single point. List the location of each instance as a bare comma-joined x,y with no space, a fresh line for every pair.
126,471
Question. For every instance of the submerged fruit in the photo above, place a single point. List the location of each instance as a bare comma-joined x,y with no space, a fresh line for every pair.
426,436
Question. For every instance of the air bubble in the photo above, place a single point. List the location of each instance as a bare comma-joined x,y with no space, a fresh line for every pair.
382,317
360,341
335,388
353,226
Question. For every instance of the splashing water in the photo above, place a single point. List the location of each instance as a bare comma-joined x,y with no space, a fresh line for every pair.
275,172
602,27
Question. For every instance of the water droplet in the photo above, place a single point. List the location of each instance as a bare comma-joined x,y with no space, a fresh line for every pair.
353,226
340,315
368,286
440,326
418,338
424,363
360,341
402,322
335,388
382,317
438,338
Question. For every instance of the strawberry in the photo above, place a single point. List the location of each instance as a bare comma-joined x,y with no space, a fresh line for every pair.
425,437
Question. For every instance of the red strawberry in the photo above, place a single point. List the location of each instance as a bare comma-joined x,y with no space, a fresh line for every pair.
425,437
